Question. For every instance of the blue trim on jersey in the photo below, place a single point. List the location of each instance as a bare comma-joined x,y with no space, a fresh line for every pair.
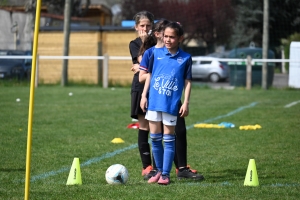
169,73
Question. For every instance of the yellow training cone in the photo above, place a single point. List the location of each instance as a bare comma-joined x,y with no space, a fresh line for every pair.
75,174
251,178
117,140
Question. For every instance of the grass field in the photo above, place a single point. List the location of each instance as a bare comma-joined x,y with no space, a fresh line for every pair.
84,124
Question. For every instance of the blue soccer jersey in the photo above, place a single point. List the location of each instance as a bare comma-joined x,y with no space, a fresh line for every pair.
146,58
169,73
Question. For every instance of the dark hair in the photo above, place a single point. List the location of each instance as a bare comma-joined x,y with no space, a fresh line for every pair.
160,25
143,15
177,27
151,40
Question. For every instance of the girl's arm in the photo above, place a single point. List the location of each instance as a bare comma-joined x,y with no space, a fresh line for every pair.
144,67
144,101
140,58
184,110
143,76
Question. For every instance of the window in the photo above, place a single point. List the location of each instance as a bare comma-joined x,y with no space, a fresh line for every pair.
203,62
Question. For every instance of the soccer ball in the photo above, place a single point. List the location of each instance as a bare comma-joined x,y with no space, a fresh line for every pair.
116,174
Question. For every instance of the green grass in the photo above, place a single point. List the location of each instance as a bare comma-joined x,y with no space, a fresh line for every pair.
83,125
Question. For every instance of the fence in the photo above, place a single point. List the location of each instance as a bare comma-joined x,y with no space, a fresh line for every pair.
249,62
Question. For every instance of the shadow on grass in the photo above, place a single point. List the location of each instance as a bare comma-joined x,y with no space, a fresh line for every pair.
226,175
12,170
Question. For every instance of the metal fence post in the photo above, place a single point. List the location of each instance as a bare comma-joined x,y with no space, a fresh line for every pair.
105,71
283,63
249,73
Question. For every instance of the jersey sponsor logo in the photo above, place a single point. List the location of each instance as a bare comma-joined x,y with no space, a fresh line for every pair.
159,58
165,84
180,60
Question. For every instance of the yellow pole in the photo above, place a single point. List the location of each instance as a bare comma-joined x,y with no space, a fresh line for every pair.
31,99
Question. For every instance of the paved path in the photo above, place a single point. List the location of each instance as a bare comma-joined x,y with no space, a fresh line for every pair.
279,81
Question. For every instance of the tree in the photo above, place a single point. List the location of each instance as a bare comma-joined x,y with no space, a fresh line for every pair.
248,23
284,21
206,21
78,9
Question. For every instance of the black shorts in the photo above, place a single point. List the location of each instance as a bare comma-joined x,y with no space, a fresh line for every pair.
135,104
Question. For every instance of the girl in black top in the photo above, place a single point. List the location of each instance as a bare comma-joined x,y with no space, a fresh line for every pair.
143,23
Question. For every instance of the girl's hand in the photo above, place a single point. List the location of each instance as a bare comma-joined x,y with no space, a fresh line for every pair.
184,110
144,104
143,35
135,68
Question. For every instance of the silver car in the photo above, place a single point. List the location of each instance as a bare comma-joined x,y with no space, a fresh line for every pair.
209,68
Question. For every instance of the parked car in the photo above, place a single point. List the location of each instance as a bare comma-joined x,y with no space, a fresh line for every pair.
209,68
15,68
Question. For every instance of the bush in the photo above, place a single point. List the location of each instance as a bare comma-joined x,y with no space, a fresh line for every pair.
286,46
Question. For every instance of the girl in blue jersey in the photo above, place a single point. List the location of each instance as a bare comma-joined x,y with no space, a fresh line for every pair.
169,74
153,41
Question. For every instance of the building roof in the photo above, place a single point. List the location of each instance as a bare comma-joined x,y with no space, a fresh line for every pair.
22,3
99,10
17,5
96,2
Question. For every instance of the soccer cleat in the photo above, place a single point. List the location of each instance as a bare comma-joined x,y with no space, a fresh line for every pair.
148,176
147,170
193,170
155,178
186,173
164,180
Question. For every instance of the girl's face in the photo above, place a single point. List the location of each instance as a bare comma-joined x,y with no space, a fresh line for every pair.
171,39
144,26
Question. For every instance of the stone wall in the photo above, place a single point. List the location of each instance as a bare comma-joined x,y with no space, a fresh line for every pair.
16,30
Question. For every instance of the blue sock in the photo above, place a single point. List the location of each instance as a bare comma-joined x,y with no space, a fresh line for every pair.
169,152
157,150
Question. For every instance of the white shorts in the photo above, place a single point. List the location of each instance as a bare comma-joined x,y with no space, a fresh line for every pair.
157,116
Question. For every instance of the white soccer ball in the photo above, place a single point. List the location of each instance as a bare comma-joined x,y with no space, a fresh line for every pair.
116,174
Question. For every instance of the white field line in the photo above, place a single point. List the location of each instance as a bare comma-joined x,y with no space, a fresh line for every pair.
291,104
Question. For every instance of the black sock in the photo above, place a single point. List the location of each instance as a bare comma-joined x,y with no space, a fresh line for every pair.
182,169
181,143
176,154
144,148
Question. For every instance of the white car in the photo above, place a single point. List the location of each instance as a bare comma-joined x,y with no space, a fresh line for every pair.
209,68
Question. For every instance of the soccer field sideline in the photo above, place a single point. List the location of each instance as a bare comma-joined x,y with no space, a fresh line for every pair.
111,154
119,151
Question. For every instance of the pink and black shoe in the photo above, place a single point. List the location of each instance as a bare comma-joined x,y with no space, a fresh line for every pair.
164,180
155,177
